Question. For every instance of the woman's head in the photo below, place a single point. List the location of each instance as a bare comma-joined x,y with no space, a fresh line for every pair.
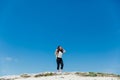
59,48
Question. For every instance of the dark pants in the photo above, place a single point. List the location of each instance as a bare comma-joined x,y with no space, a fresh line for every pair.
59,62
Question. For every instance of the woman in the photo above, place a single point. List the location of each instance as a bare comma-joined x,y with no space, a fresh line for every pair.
59,52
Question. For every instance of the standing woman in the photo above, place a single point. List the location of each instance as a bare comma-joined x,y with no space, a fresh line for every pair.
59,52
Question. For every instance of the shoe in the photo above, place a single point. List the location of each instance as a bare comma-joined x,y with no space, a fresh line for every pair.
61,70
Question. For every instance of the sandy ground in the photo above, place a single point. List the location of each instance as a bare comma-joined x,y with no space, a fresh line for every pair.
69,77
60,77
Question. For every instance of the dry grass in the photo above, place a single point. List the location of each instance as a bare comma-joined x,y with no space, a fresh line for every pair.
94,74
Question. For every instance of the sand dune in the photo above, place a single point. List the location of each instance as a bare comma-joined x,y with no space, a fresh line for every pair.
69,77
58,76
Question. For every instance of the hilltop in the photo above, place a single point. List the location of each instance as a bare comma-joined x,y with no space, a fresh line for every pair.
63,76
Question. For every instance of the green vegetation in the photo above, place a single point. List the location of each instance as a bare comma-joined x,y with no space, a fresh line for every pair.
25,76
45,74
92,74
81,74
95,74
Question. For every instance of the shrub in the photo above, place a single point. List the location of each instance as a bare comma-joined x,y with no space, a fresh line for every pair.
44,74
82,74
48,74
25,76
92,74
100,74
118,75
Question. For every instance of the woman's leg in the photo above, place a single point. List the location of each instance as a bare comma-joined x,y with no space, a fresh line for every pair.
62,64
58,63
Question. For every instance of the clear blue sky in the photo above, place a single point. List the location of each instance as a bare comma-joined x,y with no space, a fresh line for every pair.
30,31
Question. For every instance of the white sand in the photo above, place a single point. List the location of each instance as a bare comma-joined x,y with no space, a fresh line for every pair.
70,76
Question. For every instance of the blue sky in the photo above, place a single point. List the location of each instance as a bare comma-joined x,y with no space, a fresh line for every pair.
30,31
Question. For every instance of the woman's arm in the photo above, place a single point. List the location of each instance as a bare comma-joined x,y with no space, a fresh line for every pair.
56,53
64,51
